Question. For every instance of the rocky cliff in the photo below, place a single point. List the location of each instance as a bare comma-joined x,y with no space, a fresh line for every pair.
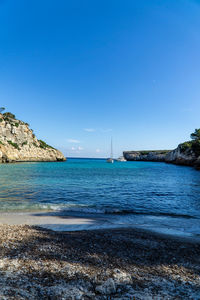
145,155
18,143
182,155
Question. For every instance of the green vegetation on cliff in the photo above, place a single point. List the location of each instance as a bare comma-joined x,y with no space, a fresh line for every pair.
15,145
146,152
44,145
11,119
19,143
9,115
194,144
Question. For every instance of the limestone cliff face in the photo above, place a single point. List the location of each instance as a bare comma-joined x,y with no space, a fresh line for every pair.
177,156
180,157
144,155
18,143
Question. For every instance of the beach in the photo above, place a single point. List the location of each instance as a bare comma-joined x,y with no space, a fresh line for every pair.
90,230
37,263
99,150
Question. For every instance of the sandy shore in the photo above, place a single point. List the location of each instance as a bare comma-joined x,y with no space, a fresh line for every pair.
66,221
56,221
100,264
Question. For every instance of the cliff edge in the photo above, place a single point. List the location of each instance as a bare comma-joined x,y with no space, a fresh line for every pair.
151,155
18,143
187,153
178,156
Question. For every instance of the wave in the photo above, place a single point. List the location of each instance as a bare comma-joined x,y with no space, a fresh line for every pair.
114,211
82,209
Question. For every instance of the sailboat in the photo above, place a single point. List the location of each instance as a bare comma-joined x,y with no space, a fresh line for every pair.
111,160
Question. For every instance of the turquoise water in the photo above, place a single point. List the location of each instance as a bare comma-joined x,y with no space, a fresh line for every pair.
155,196
94,186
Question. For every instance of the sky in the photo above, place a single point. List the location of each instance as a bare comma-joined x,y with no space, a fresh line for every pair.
80,72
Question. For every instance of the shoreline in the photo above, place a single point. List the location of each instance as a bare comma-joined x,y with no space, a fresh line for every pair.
38,263
64,221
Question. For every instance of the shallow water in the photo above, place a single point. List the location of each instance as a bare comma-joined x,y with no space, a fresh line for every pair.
124,193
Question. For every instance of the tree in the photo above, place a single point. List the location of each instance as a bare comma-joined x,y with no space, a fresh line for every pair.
195,135
2,109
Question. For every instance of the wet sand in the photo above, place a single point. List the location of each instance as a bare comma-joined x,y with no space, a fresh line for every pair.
66,221
49,220
38,263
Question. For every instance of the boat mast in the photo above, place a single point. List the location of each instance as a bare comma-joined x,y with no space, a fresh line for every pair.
111,149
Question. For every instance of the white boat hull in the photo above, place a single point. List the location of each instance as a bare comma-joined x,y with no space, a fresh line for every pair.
121,159
110,160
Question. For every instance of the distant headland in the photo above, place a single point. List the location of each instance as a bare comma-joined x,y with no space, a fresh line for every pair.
18,142
187,153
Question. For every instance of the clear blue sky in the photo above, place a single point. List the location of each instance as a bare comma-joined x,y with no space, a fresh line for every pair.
82,71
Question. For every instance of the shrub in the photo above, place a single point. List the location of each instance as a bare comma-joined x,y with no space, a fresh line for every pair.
185,146
9,115
196,147
146,152
1,143
24,143
14,145
44,145
164,151
191,145
17,124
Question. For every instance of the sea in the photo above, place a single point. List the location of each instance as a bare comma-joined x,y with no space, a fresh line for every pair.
148,195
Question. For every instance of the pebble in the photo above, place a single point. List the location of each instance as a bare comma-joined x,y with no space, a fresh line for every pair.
107,288
38,264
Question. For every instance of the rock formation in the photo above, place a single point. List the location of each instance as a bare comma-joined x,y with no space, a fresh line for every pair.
145,155
180,156
18,143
